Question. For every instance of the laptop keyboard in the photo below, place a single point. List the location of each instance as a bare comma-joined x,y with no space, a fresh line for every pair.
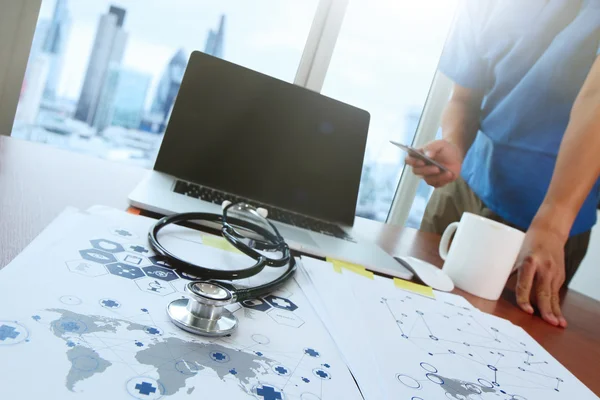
276,214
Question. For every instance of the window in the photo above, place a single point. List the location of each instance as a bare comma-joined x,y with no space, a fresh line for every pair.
424,191
384,61
102,75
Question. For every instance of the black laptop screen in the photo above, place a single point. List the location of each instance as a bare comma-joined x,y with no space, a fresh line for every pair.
246,133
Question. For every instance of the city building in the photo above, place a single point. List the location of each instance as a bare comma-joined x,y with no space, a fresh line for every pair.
167,89
170,82
33,89
215,39
109,47
122,98
39,39
55,40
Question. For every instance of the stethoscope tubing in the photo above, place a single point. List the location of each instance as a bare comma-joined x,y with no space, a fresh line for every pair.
274,243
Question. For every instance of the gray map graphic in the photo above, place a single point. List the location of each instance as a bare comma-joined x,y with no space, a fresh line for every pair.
174,359
456,388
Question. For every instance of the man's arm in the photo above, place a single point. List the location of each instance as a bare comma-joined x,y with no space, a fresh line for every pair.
460,121
460,124
462,62
577,168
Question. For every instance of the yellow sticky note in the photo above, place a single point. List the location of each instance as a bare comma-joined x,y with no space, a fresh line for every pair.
414,288
357,269
219,242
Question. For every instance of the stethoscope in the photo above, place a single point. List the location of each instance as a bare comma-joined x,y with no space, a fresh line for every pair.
246,228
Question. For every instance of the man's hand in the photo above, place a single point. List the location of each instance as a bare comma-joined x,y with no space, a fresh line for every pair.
541,260
445,153
541,264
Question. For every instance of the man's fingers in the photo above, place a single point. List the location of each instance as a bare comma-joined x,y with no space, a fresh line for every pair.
433,148
543,294
524,284
555,301
414,162
439,179
427,170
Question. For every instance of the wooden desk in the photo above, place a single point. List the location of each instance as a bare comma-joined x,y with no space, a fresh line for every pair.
37,182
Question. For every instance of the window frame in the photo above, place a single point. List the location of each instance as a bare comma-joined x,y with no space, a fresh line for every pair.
18,20
320,44
311,73
437,98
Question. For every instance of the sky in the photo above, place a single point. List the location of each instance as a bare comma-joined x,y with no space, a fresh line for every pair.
265,35
384,61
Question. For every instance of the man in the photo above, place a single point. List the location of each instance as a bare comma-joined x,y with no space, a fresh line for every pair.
522,129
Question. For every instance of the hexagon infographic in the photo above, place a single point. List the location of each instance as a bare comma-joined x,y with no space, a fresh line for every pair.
98,256
179,285
160,261
132,258
256,304
160,273
286,318
125,271
106,245
138,248
123,233
86,268
154,286
280,302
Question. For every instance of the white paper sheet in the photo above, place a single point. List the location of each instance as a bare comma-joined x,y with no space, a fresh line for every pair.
82,315
420,348
361,363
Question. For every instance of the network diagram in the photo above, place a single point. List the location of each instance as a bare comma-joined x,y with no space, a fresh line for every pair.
452,340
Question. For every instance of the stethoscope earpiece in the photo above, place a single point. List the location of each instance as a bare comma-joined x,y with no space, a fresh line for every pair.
262,212
225,204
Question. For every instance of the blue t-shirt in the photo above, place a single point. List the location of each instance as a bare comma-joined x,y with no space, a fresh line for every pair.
530,58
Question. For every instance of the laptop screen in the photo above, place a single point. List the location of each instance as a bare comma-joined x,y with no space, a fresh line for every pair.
242,132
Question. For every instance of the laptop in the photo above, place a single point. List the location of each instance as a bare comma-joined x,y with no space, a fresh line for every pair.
239,135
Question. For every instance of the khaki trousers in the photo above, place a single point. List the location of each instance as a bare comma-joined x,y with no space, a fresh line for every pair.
448,203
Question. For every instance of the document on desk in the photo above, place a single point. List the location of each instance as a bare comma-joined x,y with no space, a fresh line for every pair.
83,315
405,346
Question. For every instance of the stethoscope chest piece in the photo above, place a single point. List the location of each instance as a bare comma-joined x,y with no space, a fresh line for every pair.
204,312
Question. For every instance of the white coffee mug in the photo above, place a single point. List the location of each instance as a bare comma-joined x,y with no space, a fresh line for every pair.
482,255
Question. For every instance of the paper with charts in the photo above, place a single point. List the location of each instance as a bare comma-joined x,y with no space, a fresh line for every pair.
83,316
417,348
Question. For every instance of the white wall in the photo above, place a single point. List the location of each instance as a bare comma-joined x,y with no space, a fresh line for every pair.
17,24
587,278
